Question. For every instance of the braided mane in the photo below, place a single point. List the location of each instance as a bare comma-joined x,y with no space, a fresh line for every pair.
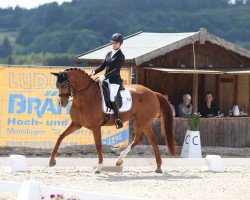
75,69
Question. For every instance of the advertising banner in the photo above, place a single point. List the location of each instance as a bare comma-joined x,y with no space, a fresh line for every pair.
30,115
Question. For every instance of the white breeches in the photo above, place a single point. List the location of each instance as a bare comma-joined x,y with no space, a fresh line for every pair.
113,88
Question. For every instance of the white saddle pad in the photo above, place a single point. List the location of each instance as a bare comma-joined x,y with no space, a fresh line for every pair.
126,102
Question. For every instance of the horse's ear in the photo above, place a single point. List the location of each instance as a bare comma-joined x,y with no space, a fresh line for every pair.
55,74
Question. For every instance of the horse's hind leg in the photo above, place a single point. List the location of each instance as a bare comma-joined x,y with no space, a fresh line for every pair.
147,130
71,128
136,141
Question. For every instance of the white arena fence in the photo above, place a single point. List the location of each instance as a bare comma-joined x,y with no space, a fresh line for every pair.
32,190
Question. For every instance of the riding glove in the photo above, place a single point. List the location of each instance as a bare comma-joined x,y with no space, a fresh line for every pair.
101,78
92,73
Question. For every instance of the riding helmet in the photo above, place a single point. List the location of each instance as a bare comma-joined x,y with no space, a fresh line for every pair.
117,37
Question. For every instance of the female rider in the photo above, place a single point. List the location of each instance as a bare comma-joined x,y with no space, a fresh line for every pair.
113,63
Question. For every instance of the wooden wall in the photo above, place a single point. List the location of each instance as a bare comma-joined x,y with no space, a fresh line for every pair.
210,84
207,54
244,90
224,132
229,90
175,85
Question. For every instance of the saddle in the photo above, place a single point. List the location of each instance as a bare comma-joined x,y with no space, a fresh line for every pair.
123,98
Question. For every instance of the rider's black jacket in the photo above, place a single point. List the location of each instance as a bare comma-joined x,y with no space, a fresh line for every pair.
113,66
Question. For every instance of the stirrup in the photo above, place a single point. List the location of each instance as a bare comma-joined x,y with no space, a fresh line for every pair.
119,123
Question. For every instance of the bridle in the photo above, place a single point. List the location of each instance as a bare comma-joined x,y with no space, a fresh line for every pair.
66,95
71,92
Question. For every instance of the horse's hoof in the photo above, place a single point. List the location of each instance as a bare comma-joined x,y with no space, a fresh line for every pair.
119,163
97,172
52,163
158,170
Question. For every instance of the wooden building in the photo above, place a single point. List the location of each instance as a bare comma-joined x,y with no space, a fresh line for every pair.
196,62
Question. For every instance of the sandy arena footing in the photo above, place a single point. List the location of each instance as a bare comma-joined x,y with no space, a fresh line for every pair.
181,179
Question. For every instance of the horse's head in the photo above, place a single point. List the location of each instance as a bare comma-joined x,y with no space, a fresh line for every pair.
64,87
71,82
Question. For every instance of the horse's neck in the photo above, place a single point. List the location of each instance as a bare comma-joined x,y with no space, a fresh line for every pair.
80,81
89,100
86,89
81,85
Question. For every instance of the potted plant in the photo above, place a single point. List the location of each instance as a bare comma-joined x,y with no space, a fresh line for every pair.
194,122
192,146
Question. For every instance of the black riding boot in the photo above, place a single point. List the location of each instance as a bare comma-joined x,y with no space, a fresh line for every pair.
115,108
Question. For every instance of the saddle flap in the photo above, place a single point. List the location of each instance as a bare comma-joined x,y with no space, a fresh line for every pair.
124,99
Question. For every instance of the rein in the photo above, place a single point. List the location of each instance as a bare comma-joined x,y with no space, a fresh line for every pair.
70,94
82,91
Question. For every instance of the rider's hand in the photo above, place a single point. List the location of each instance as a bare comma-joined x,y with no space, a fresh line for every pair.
92,73
101,78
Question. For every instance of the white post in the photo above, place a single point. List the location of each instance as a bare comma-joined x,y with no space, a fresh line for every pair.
214,164
17,164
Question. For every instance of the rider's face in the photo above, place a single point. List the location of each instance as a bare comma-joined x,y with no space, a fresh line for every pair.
116,45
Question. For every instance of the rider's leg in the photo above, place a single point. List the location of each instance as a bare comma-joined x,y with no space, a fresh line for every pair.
118,121
113,93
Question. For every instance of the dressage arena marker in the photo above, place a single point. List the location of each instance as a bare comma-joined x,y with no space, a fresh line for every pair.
191,145
214,164
33,190
17,163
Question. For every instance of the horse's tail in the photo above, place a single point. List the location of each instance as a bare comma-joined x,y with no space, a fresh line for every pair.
167,121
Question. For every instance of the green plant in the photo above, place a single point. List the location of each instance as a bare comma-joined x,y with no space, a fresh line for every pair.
194,122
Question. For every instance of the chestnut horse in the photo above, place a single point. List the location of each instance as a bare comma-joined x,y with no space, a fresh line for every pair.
86,111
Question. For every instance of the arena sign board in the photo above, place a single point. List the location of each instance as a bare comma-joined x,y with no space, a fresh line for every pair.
30,115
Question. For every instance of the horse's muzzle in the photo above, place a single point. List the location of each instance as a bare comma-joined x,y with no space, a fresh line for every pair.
63,102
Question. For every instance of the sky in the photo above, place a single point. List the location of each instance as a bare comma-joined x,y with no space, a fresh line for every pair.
31,3
27,3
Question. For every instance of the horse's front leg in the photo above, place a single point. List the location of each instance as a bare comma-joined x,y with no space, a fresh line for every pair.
98,143
71,128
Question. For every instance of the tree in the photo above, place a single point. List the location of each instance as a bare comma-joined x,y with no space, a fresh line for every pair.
5,48
81,25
